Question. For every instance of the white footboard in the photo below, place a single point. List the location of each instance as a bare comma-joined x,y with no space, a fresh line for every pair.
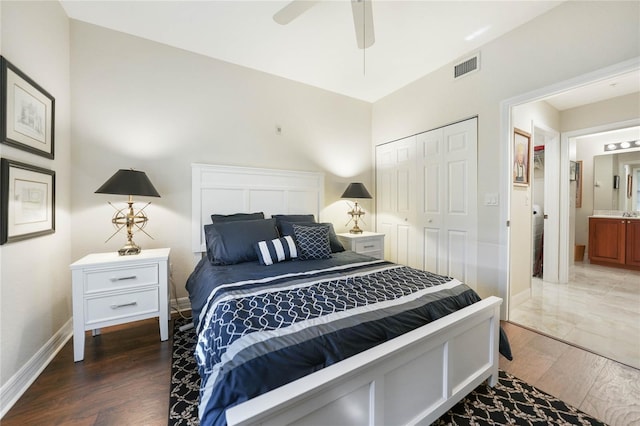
413,379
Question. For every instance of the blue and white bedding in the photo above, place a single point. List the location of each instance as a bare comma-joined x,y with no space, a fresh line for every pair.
261,327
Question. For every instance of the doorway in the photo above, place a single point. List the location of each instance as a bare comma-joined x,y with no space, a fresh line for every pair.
568,285
506,126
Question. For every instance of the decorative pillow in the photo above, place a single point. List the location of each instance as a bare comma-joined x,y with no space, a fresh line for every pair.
233,242
313,241
286,228
217,218
278,250
292,218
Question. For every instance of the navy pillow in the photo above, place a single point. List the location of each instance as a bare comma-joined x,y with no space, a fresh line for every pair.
312,241
234,242
292,218
286,228
278,250
217,218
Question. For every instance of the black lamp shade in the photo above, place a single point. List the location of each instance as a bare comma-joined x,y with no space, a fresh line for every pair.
129,182
356,190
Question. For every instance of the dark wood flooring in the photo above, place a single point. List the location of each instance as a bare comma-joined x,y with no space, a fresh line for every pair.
124,380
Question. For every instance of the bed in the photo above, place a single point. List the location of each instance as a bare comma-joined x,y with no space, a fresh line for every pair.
372,343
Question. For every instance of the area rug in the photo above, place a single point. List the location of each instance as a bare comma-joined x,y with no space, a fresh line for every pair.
510,402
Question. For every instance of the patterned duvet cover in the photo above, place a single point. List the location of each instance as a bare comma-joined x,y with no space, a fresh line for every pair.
259,333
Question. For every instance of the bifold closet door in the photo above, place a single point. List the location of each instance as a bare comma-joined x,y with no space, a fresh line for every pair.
447,211
396,199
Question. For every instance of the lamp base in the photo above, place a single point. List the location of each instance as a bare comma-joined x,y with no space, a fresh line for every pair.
129,249
355,230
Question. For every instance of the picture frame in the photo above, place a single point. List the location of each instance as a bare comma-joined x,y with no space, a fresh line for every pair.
27,112
521,157
27,202
579,184
572,171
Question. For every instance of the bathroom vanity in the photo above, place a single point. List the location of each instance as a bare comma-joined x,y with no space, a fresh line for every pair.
615,241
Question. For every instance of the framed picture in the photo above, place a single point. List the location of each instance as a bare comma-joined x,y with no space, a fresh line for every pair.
572,171
27,112
27,202
521,157
578,184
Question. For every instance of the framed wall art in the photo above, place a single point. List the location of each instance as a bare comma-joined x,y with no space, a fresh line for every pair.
27,202
27,112
578,184
521,150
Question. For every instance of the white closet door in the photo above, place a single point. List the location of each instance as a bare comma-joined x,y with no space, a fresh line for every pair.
396,199
447,213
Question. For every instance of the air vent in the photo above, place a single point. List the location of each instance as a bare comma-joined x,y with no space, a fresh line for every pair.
467,66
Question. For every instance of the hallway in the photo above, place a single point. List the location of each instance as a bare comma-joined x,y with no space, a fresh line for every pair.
598,310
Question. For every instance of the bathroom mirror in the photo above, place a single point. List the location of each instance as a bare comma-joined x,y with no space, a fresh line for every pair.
615,181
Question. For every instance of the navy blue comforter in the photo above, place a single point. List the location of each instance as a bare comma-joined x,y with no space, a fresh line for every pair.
257,332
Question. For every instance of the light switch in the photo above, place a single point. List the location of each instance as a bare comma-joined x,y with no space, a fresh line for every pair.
491,199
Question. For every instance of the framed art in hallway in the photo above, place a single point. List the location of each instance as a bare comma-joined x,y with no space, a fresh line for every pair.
578,184
27,112
521,151
27,202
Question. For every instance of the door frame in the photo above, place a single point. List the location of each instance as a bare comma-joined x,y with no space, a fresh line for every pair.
505,171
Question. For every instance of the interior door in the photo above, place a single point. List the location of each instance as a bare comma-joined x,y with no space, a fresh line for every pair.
551,253
447,214
396,199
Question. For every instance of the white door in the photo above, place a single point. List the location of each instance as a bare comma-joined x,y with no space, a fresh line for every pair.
396,199
551,245
447,215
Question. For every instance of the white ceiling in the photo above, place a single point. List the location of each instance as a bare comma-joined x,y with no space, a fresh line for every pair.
609,88
412,38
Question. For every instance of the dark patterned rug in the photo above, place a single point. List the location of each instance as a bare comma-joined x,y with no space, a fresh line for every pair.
510,402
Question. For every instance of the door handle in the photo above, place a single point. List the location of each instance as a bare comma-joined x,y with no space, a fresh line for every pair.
546,216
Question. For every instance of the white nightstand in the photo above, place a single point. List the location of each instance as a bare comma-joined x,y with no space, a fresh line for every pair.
109,289
369,243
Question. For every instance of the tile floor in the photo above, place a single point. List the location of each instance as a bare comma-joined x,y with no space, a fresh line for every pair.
598,310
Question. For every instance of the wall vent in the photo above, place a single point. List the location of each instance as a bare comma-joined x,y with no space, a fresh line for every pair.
467,66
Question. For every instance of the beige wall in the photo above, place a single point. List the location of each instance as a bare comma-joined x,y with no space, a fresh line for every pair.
35,291
570,40
155,108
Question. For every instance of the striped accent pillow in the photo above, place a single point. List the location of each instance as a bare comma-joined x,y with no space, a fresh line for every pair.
278,250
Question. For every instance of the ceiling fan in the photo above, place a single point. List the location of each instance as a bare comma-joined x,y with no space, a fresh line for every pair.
362,18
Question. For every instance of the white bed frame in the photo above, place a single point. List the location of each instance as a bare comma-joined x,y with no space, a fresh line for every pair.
412,379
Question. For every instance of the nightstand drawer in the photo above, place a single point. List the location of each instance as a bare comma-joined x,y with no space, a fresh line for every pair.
115,278
122,305
368,245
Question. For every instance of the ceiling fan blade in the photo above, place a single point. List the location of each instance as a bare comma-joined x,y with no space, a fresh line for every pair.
293,10
363,23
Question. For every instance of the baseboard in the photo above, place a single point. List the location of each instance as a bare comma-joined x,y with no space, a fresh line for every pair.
18,384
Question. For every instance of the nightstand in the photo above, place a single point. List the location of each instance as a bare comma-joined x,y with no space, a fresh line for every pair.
109,289
369,243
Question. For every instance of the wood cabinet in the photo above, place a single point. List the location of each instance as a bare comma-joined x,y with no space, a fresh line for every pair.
633,243
614,242
109,289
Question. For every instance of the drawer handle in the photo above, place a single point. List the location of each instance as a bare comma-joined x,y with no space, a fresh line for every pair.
369,246
124,305
132,277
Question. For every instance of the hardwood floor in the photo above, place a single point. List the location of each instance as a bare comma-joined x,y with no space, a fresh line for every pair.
124,380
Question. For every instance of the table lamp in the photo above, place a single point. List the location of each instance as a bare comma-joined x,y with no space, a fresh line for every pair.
356,190
129,182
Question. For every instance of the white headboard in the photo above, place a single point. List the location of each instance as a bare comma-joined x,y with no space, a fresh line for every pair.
231,189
